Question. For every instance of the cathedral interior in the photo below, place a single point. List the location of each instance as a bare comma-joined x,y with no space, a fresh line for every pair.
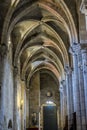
43,64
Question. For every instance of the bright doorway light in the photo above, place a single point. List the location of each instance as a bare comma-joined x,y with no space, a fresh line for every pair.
49,102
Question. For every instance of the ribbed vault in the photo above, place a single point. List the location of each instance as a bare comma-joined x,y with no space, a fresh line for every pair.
43,62
41,33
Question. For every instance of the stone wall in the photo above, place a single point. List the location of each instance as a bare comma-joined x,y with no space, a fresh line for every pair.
34,97
12,116
48,84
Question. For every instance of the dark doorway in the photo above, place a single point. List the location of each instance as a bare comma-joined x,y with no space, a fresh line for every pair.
50,118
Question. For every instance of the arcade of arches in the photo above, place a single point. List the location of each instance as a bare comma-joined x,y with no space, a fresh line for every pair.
43,63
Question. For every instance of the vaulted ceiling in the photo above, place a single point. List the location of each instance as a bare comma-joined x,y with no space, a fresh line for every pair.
40,32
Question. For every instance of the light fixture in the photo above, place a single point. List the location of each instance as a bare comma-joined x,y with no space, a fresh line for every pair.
21,104
49,102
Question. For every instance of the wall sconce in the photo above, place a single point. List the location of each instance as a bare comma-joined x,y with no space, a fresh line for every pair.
21,104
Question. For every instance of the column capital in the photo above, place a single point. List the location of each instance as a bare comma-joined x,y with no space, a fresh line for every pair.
3,49
63,82
68,69
83,7
75,49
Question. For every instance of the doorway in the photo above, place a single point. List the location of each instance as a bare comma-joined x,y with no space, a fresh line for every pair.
50,118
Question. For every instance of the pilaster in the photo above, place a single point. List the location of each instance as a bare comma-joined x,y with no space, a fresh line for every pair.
82,92
84,64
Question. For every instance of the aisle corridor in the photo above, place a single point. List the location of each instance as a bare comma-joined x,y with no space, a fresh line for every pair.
43,64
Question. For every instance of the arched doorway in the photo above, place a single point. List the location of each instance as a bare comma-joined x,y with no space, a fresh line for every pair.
49,113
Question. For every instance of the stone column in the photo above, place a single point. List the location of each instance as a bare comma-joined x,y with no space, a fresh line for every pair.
23,105
27,108
69,95
84,62
76,91
3,58
61,106
15,123
81,88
